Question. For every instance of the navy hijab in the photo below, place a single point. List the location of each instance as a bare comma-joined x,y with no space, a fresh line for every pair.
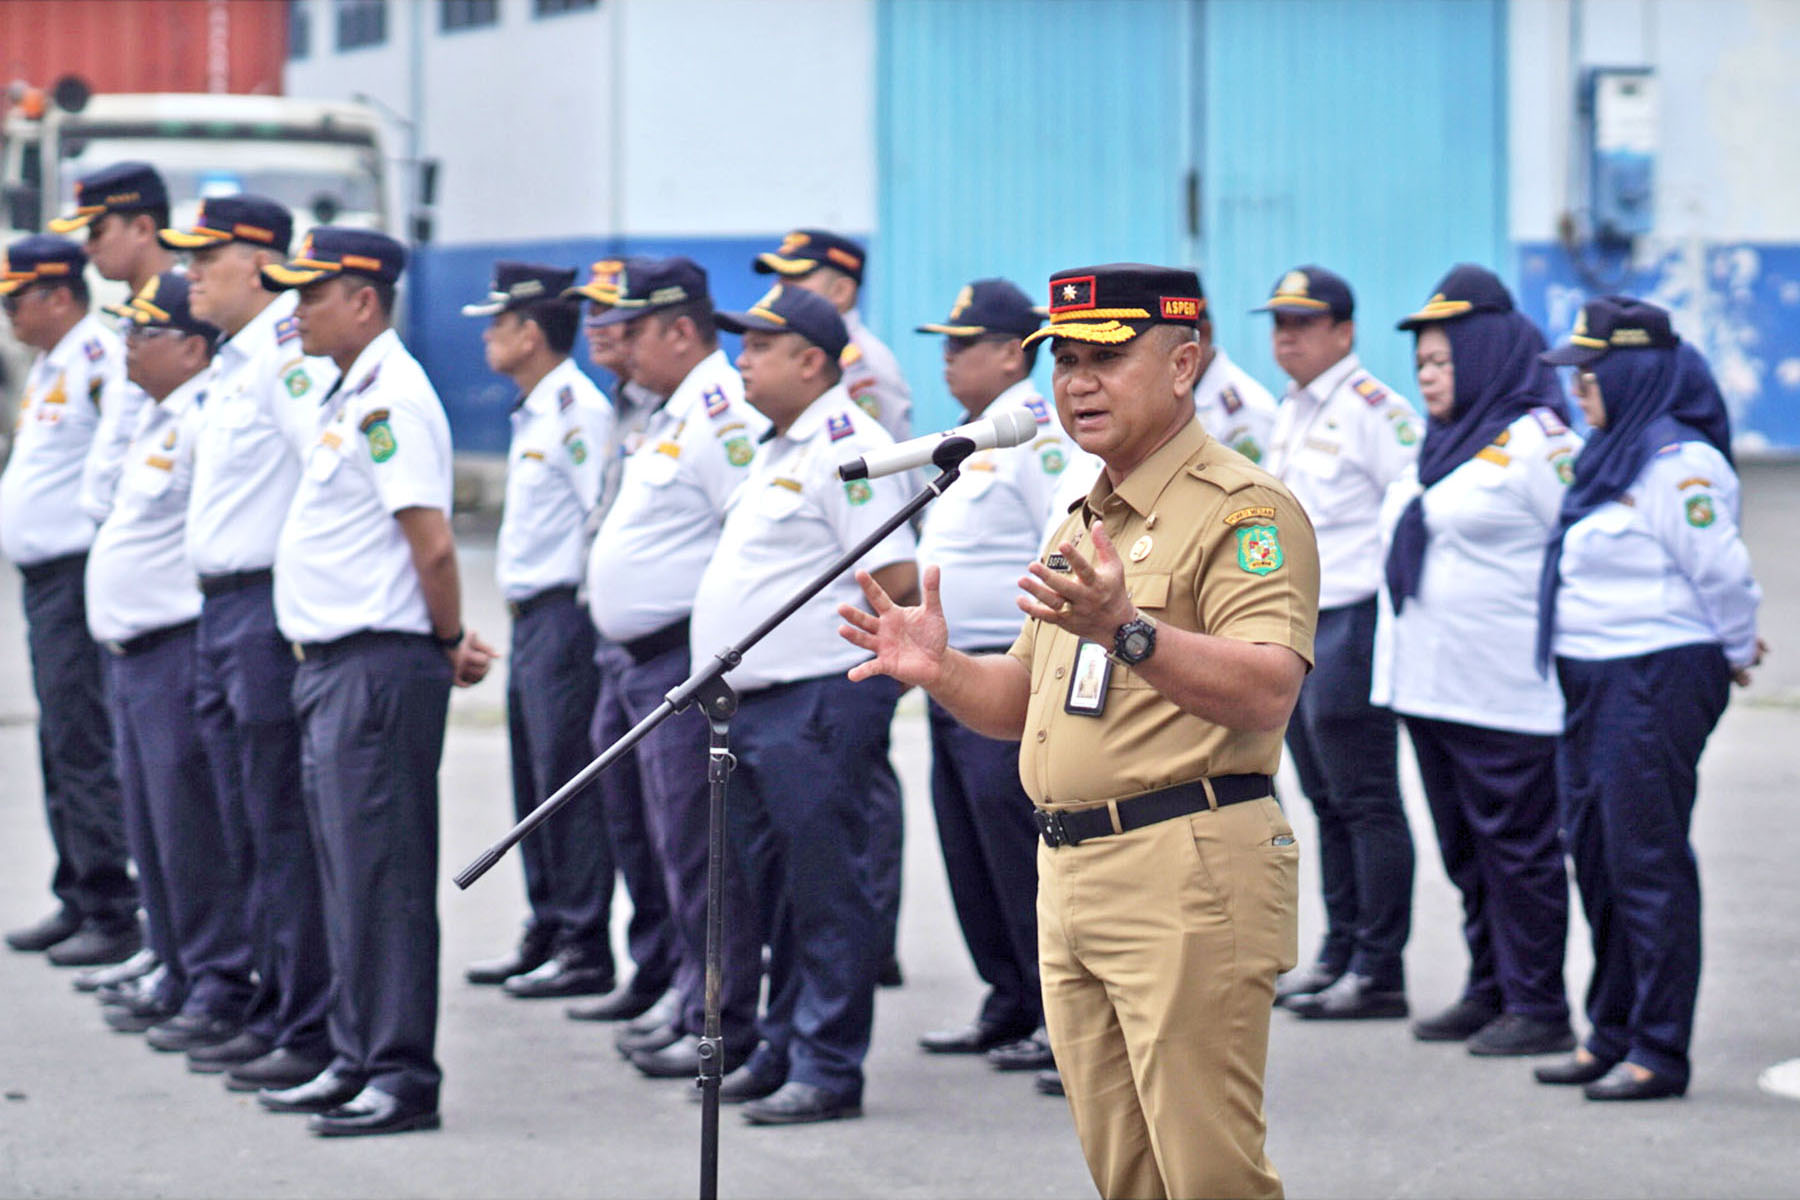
1653,397
1499,378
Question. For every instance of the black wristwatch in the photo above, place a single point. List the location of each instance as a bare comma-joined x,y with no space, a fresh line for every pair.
448,643
1135,640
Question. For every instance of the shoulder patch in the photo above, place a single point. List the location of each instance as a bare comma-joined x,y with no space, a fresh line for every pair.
1231,400
1549,422
287,330
1692,481
577,447
858,491
838,426
1260,512
739,451
93,349
375,417
380,435
297,381
1039,409
1259,549
1372,393
565,398
1700,512
716,403
1052,458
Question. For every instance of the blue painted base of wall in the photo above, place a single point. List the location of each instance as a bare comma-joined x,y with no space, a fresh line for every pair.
1739,303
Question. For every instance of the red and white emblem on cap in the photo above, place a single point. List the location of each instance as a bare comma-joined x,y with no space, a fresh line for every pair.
1072,294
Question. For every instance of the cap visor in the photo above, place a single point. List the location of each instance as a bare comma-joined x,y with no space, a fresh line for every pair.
1442,310
1294,304
70,224
486,308
621,312
1099,333
743,322
120,310
590,291
767,262
1570,356
278,277
9,286
191,239
956,330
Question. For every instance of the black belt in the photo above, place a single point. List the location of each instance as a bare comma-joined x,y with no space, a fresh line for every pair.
234,581
315,651
643,649
519,608
37,572
1063,827
151,640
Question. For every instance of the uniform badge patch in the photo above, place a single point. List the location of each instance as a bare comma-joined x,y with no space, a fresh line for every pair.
286,330
838,426
577,447
1407,432
1700,512
298,382
859,491
1231,401
93,349
1140,549
1565,468
739,452
716,403
1038,410
866,402
380,434
565,398
1247,447
1262,512
1371,392
1052,459
1259,549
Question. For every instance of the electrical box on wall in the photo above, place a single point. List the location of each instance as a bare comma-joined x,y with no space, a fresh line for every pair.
1623,119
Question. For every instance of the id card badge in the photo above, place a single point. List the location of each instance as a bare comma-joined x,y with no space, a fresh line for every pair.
1087,682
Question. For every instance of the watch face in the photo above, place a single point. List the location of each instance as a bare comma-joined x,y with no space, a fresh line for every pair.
1136,645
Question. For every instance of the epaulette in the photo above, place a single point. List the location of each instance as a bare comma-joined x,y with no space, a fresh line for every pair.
1226,475
287,330
1549,422
368,381
565,398
717,405
93,349
1039,409
1231,400
1371,392
839,426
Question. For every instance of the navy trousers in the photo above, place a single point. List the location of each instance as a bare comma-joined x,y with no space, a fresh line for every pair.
243,697
990,855
82,802
552,684
372,711
195,916
1345,751
674,760
1493,801
802,813
1629,763
887,811
650,936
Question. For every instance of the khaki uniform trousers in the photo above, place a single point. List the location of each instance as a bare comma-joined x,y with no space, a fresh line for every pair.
1159,950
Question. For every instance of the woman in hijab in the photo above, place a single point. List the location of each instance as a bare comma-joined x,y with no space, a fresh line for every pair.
1649,606
1467,535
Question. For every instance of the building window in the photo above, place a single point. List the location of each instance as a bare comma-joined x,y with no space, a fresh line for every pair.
467,14
361,23
552,8
299,28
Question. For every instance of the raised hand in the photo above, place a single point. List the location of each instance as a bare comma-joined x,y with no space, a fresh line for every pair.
909,643
1089,600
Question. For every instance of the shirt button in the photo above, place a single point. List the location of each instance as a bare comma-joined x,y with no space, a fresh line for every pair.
1059,672
1041,735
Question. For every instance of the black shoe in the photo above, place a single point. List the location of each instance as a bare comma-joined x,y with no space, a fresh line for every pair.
137,966
133,991
977,1037
1027,1054
222,1056
142,1012
664,1012
322,1093
1622,1083
561,976
625,1004
1459,1022
56,927
796,1103
629,1043
680,1059
532,952
890,975
279,1068
97,945
1515,1035
372,1112
190,1031
1304,981
1048,1083
1352,998
1574,1069
744,1085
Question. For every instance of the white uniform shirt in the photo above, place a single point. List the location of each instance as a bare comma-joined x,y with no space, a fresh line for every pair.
1462,647
262,415
138,576
41,514
985,529
788,521
553,470
663,525
631,412
1234,408
1663,566
1338,443
342,564
872,377
122,403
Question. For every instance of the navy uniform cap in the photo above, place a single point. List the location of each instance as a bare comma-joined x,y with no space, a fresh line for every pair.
162,303
1466,289
989,306
254,220
647,285
1309,290
1609,323
516,284
1112,304
122,187
333,250
39,257
793,310
602,287
806,250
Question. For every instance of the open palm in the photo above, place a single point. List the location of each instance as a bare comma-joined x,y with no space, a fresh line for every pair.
908,643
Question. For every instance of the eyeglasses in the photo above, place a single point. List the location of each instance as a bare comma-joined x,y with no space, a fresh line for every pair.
150,333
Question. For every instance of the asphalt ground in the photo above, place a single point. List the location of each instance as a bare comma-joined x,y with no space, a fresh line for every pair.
536,1105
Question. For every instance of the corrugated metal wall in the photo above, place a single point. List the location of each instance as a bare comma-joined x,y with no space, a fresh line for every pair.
145,45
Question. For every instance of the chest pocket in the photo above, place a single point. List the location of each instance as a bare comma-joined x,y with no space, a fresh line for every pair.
975,484
150,479
779,503
655,468
1321,456
324,461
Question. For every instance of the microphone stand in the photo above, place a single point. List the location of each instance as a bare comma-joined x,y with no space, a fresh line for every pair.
707,688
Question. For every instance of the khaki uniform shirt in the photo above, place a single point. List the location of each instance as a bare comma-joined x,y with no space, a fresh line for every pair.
1210,543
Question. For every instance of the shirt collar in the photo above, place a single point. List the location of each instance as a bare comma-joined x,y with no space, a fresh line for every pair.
72,341
811,421
184,397
1144,486
1017,394
542,399
367,362
259,331
1321,388
687,393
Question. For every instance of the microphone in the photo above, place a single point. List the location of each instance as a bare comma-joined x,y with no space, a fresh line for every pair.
1008,427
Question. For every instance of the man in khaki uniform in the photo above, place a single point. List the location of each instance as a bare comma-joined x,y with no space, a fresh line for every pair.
1188,580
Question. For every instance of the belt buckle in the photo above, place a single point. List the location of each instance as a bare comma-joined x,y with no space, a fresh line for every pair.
1050,825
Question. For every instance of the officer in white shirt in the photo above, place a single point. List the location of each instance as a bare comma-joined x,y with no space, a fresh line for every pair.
143,607
1467,531
1649,605
122,207
261,415
982,533
808,741
1340,439
560,426
645,565
45,533
366,588
832,265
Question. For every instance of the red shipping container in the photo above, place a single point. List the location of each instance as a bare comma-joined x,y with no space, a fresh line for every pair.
145,45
